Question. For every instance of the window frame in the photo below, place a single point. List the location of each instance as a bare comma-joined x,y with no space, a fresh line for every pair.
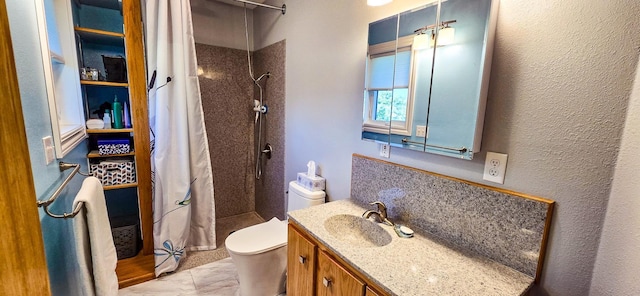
394,126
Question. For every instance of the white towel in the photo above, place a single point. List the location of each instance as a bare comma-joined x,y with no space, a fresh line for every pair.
96,252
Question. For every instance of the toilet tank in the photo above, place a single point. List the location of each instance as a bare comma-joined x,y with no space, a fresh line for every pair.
300,197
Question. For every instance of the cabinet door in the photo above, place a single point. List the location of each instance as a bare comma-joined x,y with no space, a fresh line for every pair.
333,279
301,256
370,292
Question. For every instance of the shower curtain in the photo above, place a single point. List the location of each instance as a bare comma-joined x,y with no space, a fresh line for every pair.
183,205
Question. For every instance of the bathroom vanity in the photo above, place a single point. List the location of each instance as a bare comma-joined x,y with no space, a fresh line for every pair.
471,239
313,269
331,263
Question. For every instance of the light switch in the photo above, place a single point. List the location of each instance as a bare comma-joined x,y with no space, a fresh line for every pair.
49,152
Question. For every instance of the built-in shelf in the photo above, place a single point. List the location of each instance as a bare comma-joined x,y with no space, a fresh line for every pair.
120,186
138,269
104,83
100,36
96,154
110,131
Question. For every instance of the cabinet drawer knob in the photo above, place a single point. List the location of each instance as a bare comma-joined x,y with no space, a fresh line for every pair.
302,259
326,282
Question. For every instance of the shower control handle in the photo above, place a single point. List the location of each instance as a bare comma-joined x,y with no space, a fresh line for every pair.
268,149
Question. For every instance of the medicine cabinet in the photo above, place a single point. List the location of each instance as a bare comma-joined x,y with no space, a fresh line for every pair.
427,77
55,29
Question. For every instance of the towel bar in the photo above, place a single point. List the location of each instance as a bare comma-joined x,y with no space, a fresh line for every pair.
460,150
45,203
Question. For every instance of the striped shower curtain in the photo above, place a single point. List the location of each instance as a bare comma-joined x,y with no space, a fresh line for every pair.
183,205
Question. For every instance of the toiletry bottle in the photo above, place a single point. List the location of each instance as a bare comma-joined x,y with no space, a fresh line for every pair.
117,113
107,119
127,117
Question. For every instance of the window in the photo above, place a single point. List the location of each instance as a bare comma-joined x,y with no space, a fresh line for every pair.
388,99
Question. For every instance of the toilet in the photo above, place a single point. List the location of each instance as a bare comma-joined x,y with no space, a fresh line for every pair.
259,252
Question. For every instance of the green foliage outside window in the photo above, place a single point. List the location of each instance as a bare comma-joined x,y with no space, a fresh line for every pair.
386,98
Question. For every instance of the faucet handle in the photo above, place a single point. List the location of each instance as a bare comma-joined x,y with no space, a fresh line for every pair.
381,206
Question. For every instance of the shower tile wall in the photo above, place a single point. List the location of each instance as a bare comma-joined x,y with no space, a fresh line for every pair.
227,100
271,187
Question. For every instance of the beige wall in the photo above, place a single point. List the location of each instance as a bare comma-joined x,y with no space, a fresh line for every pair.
618,264
560,83
220,24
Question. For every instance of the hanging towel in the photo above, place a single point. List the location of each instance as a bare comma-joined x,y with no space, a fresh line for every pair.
95,250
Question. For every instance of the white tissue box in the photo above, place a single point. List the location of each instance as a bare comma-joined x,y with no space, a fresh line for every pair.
315,183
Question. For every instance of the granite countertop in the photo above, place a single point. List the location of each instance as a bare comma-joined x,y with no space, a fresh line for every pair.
422,265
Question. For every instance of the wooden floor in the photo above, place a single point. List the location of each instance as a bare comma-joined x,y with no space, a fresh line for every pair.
135,270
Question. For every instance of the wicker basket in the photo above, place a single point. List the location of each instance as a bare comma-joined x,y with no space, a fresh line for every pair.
125,238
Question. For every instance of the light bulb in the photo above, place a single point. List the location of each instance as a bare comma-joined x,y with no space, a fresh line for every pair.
421,41
446,36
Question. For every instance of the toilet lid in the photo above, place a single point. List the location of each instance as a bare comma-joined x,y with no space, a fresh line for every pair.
258,238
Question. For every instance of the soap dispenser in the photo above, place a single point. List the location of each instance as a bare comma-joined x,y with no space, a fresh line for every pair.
117,113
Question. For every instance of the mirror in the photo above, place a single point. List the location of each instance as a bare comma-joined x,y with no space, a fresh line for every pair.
57,46
426,84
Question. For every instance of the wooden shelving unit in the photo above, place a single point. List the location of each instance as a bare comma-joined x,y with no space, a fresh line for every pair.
120,186
104,83
130,45
100,36
96,154
135,270
109,131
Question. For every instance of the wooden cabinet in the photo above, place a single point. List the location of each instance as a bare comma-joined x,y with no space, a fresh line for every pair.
108,30
335,280
301,259
313,269
370,292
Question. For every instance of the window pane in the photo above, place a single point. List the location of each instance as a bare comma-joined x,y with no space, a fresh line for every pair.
381,72
403,67
384,102
400,104
383,105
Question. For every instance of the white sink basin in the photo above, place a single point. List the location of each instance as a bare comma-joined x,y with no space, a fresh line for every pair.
357,231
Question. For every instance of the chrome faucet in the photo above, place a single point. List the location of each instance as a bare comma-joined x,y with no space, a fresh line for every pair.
380,215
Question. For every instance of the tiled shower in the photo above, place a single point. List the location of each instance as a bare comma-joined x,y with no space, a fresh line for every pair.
227,98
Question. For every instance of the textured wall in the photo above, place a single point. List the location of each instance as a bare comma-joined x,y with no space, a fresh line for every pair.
220,24
270,188
561,78
227,99
618,263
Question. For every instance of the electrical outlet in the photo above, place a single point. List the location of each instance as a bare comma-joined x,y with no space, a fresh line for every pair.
49,152
421,131
384,150
495,166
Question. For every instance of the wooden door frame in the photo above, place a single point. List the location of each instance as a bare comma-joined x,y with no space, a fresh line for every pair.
24,267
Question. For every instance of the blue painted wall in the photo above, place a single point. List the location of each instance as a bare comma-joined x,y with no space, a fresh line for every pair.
57,233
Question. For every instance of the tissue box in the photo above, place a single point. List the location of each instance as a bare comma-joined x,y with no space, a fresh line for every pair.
315,183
